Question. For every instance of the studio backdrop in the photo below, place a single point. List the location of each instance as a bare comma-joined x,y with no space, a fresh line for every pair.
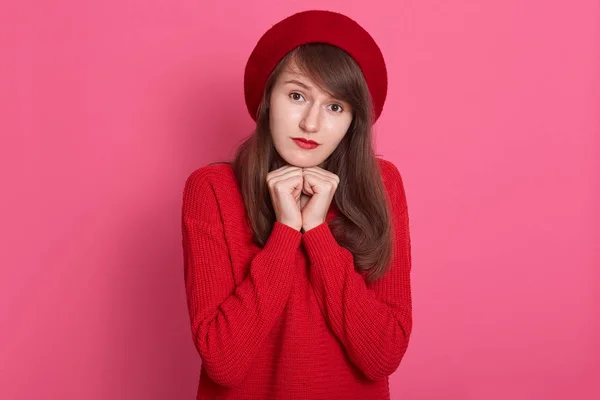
492,118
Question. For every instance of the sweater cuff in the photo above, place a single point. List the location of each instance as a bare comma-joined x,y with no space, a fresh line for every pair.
283,239
320,244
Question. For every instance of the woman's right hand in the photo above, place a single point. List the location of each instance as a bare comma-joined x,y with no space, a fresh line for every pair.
285,188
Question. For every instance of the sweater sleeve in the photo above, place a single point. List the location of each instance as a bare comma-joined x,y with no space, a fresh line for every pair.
229,321
373,321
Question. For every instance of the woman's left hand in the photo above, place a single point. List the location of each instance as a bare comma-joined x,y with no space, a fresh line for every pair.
321,185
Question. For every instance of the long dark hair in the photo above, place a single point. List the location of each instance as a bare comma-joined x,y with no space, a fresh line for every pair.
363,222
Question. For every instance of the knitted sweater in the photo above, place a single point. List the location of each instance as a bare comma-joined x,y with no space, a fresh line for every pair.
294,319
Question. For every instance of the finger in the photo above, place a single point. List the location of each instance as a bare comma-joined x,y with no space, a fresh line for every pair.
285,184
318,184
320,177
312,183
283,170
306,188
273,178
291,182
322,172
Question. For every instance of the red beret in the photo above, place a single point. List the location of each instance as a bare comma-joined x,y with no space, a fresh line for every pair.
315,26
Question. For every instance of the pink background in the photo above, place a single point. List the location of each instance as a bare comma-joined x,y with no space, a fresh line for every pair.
492,118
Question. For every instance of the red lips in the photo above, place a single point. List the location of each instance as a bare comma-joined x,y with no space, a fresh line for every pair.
306,140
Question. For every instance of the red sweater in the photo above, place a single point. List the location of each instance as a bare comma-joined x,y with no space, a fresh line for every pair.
291,320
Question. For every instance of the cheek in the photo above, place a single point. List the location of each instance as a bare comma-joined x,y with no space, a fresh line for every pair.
283,115
337,126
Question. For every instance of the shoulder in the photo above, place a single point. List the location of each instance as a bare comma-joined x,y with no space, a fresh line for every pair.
389,172
203,184
209,175
392,179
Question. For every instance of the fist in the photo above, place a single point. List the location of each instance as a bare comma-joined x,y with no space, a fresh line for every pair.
318,188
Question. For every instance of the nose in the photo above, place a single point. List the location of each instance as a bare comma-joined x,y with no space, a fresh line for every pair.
310,121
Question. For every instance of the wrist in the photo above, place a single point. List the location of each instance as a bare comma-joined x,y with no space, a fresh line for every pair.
309,226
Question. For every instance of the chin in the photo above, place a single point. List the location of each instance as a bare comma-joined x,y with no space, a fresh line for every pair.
302,162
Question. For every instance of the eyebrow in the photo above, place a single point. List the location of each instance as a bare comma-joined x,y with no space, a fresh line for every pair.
297,82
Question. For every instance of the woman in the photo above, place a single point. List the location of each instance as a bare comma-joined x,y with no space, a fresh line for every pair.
297,254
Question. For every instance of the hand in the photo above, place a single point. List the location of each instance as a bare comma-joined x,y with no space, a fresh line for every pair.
285,188
321,185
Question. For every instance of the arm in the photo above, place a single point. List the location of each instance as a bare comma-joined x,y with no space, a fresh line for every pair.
229,322
373,321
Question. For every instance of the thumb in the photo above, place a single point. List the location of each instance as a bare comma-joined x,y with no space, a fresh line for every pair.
306,186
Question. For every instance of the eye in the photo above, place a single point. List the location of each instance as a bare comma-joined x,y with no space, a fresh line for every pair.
336,108
296,96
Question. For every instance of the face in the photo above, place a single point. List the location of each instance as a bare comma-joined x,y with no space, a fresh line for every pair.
299,109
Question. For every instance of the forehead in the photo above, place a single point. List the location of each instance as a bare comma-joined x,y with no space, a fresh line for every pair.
291,72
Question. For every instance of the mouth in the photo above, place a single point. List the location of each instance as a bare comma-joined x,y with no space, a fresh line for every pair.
306,140
305,143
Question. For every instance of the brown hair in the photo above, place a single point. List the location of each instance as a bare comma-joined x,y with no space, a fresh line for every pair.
363,223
